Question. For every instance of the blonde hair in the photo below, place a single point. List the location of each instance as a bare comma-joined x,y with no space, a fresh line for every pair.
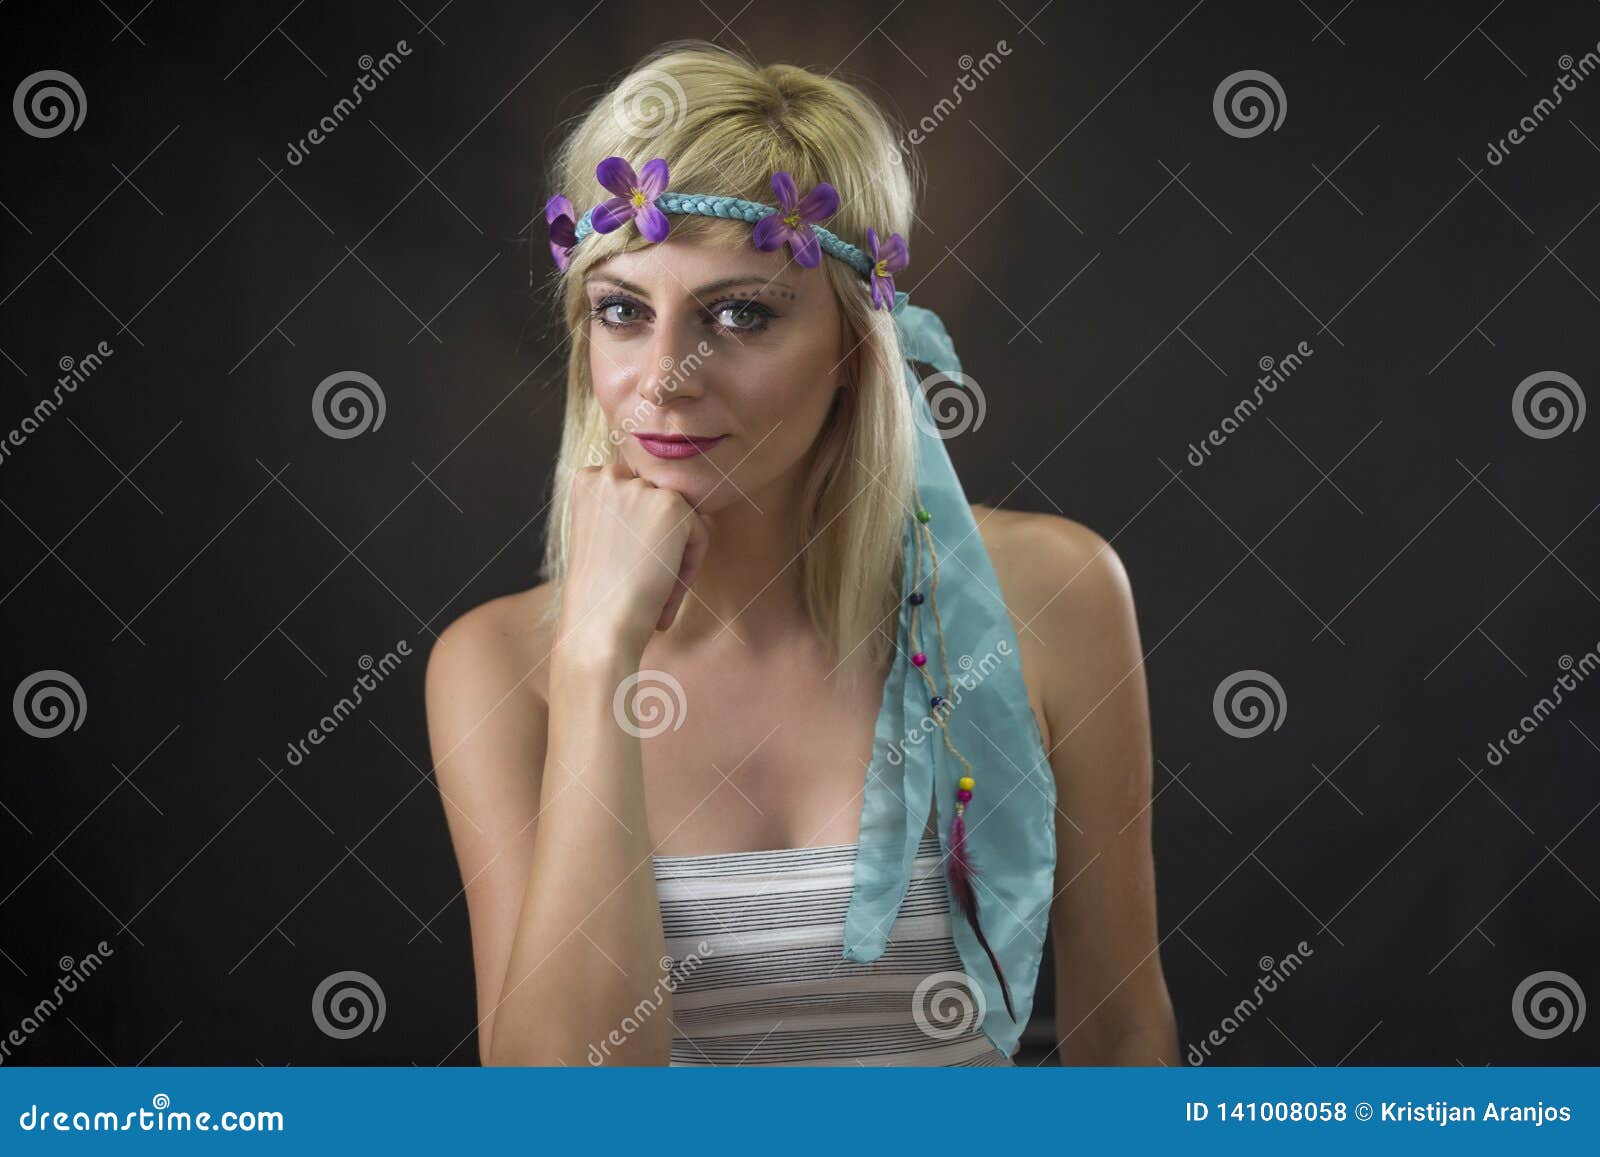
726,125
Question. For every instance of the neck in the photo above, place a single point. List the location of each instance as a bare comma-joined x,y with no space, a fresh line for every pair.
750,589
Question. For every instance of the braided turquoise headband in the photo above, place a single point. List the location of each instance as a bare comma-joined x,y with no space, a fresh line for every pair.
643,199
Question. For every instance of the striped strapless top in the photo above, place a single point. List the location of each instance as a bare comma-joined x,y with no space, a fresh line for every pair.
758,975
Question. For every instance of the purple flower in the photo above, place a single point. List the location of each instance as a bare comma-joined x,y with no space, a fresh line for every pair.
635,198
560,217
792,222
888,260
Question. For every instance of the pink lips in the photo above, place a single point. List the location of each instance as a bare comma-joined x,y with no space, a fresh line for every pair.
676,447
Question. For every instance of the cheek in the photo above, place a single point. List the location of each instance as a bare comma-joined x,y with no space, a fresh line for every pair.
613,379
786,403
805,385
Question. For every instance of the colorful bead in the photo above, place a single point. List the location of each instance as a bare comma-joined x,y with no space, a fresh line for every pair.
919,658
915,598
936,702
923,516
963,795
965,783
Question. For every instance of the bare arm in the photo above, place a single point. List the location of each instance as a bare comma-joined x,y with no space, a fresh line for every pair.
546,810
1112,1003
546,800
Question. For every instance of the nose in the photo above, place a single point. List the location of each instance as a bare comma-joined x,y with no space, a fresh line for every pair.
674,368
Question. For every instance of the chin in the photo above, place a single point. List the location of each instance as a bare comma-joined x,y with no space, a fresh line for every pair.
701,486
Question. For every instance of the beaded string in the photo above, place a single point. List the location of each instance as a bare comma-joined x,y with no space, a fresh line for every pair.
959,869
920,660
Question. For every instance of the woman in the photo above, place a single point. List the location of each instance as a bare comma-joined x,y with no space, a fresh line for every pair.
727,545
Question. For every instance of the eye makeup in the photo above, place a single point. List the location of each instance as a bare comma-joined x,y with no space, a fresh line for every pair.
748,314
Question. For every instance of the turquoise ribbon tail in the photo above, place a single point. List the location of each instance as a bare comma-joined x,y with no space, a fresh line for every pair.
1011,818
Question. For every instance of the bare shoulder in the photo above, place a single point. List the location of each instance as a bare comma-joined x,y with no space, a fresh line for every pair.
1052,565
497,650
1073,604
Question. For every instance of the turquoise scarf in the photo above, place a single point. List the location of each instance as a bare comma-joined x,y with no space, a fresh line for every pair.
1011,817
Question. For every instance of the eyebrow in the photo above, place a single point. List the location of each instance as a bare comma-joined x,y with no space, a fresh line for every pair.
709,288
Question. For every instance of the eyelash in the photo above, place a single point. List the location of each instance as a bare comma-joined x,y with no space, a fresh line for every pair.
740,305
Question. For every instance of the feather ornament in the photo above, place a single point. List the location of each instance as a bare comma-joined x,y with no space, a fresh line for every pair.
962,880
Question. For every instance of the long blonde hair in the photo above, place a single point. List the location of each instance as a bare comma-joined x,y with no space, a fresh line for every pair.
725,125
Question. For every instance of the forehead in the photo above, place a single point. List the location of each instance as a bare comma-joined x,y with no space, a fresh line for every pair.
673,267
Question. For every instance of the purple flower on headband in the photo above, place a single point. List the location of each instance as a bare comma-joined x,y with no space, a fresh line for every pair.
635,198
560,217
793,221
887,260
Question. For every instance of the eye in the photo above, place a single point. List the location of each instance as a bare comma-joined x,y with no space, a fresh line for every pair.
600,311
746,316
734,317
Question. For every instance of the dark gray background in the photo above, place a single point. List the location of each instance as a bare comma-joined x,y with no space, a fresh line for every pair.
1382,538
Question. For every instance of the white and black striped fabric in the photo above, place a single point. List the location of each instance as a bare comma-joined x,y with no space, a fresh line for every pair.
771,985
